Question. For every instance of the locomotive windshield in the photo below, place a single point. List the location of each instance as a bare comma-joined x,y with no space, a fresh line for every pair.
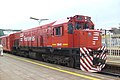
78,25
86,26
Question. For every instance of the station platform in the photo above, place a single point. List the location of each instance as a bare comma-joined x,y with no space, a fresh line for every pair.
113,60
19,68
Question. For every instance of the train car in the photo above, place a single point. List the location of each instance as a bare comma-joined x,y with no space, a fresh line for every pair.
71,42
9,41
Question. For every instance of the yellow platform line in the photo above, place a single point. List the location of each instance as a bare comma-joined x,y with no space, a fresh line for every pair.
53,68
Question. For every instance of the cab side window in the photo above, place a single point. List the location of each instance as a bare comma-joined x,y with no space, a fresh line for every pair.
70,28
58,31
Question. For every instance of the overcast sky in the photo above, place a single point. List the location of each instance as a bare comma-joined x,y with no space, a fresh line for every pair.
15,14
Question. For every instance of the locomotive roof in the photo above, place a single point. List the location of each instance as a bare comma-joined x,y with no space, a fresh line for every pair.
42,26
61,21
57,22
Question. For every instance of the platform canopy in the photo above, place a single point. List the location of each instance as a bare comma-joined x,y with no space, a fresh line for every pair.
7,31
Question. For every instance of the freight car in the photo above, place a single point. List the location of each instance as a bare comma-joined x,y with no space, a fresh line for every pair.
71,42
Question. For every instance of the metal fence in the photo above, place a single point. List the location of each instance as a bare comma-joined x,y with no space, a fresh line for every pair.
113,44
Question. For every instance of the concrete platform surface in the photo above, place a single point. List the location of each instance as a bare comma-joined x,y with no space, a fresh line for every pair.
19,68
113,60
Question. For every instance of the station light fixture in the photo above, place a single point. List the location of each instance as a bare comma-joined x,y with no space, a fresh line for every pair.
39,20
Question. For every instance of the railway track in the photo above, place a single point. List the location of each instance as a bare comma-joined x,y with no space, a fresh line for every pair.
112,70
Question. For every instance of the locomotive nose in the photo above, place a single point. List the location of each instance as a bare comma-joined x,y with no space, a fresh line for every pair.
93,39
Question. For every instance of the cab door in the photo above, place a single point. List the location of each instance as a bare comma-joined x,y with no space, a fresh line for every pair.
76,39
49,35
71,35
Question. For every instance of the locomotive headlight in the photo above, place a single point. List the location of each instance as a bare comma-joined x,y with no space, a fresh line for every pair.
89,34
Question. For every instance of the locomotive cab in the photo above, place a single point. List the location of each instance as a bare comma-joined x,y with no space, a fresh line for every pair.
83,35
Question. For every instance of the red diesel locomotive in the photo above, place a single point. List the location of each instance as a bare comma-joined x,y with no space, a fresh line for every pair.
71,42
